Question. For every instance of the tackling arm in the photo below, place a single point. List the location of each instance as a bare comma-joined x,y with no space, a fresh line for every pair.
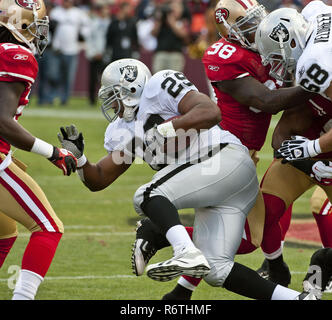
16,135
251,92
10,130
325,141
294,121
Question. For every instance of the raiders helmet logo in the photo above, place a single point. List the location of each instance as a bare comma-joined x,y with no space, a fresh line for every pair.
130,73
220,13
279,31
28,4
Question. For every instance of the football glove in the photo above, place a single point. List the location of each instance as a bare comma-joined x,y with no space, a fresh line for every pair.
64,160
154,140
299,148
73,141
322,172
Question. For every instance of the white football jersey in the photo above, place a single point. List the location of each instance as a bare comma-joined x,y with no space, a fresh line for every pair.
158,103
314,68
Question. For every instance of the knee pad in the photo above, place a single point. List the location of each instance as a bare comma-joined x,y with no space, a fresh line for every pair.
220,270
138,200
319,201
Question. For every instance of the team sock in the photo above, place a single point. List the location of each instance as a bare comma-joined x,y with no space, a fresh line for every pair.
36,261
5,246
324,224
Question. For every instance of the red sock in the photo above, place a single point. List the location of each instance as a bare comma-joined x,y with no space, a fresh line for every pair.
285,221
5,246
274,209
324,223
40,251
190,231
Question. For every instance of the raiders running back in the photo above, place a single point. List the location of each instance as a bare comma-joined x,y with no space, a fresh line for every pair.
159,102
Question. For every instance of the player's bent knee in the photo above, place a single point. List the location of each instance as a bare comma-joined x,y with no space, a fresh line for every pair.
219,272
138,200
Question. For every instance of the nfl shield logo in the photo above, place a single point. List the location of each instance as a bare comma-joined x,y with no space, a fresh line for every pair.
28,4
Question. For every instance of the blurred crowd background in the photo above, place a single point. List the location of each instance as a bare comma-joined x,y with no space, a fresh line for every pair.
86,35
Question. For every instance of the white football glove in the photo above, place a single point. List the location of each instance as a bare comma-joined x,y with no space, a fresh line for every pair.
153,140
156,137
322,172
299,148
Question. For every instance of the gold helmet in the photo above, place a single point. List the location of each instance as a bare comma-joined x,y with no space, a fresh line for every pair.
238,19
27,22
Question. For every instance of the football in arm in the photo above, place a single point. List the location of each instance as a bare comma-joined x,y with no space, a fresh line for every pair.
177,144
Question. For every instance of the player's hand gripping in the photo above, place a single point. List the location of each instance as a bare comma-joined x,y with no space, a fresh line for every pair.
153,139
73,141
299,148
64,160
322,172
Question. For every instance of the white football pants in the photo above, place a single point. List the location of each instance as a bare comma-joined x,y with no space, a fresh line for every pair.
222,189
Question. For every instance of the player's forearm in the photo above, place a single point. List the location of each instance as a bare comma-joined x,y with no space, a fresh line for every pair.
274,101
91,176
325,142
98,176
15,134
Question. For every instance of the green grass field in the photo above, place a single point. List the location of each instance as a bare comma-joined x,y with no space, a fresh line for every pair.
93,259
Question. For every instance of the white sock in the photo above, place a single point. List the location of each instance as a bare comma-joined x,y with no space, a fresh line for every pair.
275,254
27,285
179,238
283,293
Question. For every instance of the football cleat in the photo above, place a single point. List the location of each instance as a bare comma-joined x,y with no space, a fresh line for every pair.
148,241
142,252
190,262
306,296
263,271
328,288
312,288
281,275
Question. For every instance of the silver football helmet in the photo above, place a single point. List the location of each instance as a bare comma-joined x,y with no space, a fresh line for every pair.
280,39
122,84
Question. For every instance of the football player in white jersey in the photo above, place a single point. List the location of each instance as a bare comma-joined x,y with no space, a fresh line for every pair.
301,46
213,173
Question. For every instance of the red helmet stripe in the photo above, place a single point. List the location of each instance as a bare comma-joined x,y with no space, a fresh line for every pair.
245,3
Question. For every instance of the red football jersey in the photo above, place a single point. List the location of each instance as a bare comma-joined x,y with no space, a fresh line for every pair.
17,64
224,60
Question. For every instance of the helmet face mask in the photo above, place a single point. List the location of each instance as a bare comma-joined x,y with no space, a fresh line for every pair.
27,21
280,40
238,20
122,85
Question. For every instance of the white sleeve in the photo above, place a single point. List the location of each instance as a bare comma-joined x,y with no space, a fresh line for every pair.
311,10
173,88
313,75
117,137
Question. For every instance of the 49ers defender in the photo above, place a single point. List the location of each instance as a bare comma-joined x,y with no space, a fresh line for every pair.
24,30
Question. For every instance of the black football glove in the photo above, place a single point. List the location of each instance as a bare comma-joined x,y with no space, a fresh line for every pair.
71,140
